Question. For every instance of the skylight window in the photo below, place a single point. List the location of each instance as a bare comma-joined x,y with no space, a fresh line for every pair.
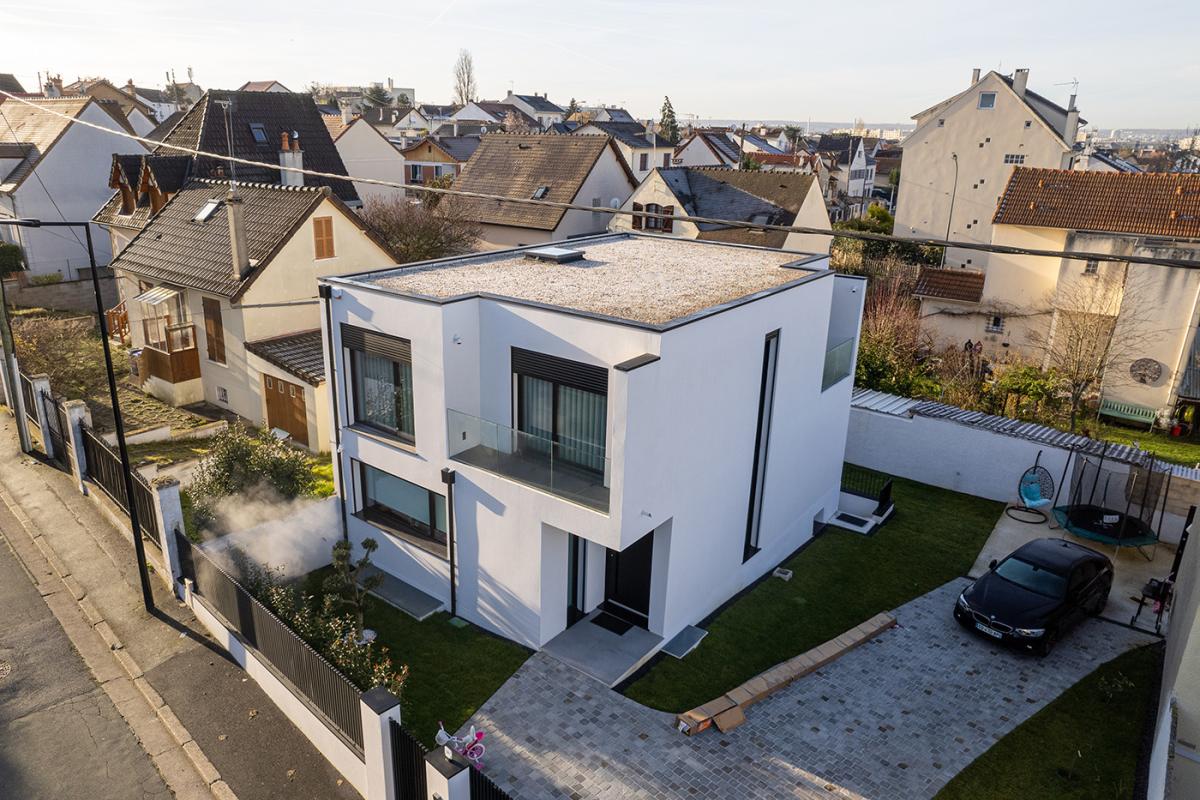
541,192
206,210
259,132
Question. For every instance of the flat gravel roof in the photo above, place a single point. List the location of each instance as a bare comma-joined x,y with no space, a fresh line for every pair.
647,279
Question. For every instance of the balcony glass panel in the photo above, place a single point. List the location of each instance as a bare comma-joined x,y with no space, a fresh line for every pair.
838,363
574,470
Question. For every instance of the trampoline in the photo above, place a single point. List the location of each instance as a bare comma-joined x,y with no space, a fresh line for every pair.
1115,503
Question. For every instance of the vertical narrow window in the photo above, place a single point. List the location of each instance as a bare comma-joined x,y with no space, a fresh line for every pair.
214,331
323,236
666,160
766,403
643,162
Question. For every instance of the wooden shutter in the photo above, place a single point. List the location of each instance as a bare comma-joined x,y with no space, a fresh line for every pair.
667,223
323,236
214,331
637,220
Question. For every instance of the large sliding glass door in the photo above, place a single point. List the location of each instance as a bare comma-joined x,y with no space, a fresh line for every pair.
563,406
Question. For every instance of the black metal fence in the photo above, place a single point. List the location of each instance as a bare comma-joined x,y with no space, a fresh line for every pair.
482,788
104,467
867,483
56,421
28,398
408,764
329,693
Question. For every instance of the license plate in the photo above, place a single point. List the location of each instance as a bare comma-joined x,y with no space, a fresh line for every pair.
990,632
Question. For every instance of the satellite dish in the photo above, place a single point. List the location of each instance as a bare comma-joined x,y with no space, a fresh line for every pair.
614,203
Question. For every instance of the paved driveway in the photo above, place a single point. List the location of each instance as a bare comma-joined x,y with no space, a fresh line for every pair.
892,720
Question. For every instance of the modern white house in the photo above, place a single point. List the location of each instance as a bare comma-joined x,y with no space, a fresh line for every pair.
607,437
963,150
51,169
366,153
536,106
642,148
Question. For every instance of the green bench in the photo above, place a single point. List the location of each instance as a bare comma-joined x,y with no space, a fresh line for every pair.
1129,411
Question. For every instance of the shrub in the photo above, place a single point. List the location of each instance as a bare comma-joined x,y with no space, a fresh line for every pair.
46,280
12,259
239,460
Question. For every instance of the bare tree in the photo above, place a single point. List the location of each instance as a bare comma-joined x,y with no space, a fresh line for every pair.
515,122
891,344
464,78
418,231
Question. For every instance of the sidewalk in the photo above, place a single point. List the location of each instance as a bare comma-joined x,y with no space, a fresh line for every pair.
254,748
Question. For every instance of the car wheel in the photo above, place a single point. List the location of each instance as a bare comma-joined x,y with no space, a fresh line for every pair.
1101,601
1046,646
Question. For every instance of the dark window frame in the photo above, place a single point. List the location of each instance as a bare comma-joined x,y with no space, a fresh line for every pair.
557,372
353,400
762,442
395,522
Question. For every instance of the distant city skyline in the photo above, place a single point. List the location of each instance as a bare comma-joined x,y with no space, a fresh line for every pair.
779,63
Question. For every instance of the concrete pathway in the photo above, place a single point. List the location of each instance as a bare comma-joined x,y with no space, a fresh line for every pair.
241,742
892,720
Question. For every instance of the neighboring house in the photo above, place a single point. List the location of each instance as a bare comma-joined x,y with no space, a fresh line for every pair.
238,326
51,169
366,153
800,161
1023,304
739,195
556,413
162,102
963,150
263,86
707,148
754,144
585,170
492,115
431,158
853,171
394,122
537,107
642,148
163,128
140,114
1088,158
10,84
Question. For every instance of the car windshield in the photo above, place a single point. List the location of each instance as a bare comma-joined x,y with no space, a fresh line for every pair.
1032,577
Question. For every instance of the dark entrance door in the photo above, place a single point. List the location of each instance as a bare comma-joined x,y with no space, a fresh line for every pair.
576,578
627,581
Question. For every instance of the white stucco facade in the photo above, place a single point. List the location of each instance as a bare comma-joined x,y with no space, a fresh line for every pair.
678,471
368,154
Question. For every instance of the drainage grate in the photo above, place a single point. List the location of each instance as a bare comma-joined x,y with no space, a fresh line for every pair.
5,669
852,520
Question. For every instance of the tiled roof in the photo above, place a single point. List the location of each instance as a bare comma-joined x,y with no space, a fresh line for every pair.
153,95
386,115
258,86
9,83
964,285
36,130
461,148
632,134
174,248
1146,203
166,126
500,110
334,124
539,103
297,353
203,128
517,165
762,144
168,172
723,193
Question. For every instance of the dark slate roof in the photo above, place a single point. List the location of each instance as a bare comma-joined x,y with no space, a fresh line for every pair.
771,197
562,127
203,128
153,95
718,141
500,110
843,145
963,285
632,134
169,173
9,83
539,103
299,354
430,110
762,144
385,115
173,248
516,165
460,147
166,126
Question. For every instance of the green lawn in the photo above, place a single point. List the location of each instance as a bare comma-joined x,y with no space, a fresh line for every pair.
452,670
1083,745
1176,450
840,580
169,452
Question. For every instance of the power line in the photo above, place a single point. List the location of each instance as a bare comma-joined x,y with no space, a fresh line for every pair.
729,223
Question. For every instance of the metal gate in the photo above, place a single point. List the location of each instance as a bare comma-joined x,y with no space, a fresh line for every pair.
408,764
56,421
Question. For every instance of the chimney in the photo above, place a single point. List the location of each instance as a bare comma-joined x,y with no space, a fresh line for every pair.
1020,81
129,87
391,86
290,155
237,234
347,113
54,86
975,76
456,127
1071,126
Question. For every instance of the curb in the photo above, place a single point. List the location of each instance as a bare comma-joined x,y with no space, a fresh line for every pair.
208,773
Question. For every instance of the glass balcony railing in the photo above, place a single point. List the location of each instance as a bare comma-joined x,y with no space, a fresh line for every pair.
838,363
574,470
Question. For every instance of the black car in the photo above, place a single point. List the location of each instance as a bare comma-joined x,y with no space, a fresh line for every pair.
1033,596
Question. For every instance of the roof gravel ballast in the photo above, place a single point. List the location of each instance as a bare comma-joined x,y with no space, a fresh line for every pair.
645,279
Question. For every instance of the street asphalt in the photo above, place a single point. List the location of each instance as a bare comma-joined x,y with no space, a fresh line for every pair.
61,737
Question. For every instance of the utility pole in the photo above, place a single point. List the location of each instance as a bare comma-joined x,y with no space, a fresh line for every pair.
11,377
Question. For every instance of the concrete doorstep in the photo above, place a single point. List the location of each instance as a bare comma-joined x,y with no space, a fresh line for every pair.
729,710
178,758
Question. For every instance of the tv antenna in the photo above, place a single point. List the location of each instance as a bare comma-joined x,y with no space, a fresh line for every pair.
1073,83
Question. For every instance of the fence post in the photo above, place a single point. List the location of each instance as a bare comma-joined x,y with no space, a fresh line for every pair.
78,415
379,707
446,778
41,388
168,512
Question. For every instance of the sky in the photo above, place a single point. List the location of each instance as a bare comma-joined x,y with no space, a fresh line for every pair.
881,62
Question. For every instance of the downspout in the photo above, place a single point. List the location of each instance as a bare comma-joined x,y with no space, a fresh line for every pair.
448,479
325,292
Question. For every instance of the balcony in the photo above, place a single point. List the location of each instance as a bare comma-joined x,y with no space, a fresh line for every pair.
170,353
573,470
839,363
